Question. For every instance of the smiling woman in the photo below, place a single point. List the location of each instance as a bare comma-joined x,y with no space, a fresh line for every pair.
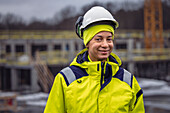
95,82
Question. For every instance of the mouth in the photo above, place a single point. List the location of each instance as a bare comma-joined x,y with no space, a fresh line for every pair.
104,51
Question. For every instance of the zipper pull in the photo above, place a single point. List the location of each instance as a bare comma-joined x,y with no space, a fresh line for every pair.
102,64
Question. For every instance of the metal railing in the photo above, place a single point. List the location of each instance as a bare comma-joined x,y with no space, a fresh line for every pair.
50,34
65,57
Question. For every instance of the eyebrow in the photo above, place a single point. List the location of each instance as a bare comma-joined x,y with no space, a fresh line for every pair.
97,35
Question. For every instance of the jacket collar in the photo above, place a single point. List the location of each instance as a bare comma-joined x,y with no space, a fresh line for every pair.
98,70
82,58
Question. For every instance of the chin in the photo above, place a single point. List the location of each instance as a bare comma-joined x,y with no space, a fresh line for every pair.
103,58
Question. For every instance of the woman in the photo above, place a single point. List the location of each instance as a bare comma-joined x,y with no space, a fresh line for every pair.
94,82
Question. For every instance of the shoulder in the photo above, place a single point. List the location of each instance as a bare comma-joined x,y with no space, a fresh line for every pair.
72,73
124,76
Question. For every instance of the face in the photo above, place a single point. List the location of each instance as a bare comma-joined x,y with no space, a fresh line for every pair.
100,46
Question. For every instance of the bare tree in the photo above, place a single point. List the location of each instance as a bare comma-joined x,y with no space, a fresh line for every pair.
65,13
128,14
87,7
11,21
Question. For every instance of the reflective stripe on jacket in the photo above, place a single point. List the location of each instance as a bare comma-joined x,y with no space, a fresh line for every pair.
95,87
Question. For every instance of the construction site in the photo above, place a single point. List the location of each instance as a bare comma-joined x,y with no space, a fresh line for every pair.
25,68
30,60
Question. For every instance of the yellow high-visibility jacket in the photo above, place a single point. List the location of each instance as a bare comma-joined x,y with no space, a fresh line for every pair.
95,87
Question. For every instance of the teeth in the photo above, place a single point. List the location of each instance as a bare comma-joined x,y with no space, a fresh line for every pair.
104,50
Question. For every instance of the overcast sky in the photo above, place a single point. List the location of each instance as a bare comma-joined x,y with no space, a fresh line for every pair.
43,9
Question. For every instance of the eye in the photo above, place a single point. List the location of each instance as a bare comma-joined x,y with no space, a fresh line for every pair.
98,39
109,39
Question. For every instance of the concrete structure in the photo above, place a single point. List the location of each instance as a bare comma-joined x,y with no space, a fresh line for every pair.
58,48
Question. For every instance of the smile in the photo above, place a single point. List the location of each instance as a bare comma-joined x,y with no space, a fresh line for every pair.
104,51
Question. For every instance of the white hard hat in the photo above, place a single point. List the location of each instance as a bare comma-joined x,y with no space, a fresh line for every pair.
96,15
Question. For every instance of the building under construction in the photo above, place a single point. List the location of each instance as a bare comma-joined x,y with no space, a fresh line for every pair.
29,60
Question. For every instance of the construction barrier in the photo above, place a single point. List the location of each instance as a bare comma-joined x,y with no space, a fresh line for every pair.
8,101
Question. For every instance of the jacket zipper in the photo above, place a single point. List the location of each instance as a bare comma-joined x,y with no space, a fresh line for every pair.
102,73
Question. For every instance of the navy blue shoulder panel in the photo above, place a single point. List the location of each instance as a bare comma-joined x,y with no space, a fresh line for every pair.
72,73
125,76
119,74
79,72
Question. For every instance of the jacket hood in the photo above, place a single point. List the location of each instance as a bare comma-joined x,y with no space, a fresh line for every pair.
82,60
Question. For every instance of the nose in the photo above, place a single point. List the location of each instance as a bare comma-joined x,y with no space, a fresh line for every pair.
104,43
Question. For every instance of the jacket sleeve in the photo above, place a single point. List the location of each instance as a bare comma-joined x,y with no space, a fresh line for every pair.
55,102
137,103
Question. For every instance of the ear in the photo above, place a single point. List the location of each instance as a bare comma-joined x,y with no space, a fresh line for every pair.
87,45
